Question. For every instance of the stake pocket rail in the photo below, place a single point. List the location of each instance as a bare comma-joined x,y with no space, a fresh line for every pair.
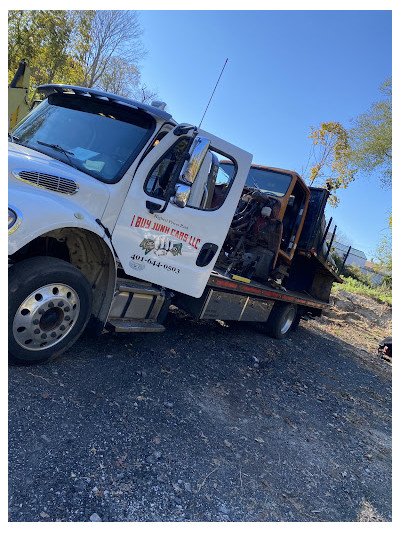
220,282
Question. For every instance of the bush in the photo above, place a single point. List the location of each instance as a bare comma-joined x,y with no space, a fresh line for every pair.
355,273
351,284
354,280
387,283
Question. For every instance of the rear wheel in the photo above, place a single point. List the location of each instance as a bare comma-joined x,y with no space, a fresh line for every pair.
281,320
49,305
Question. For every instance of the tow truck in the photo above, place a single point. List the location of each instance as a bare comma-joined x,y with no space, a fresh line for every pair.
116,211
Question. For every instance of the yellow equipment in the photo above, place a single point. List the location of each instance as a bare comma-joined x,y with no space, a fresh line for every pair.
18,104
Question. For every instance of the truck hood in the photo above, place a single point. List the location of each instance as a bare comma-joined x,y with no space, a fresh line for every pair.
45,162
92,195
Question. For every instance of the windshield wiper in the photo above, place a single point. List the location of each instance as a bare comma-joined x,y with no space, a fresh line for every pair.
59,148
256,184
56,147
12,138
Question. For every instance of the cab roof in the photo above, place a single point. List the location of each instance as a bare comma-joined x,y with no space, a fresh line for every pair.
103,95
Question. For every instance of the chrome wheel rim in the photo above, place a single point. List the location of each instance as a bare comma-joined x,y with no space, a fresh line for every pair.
289,317
46,316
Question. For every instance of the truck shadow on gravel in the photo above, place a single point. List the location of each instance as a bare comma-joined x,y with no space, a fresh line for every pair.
206,422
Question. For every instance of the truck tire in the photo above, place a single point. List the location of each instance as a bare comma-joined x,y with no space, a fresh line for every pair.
280,320
49,305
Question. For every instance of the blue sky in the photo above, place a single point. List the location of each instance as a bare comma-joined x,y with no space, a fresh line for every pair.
287,71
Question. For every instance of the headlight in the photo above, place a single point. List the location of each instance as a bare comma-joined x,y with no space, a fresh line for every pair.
14,219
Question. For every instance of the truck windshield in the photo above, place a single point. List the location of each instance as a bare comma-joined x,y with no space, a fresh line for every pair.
96,137
269,181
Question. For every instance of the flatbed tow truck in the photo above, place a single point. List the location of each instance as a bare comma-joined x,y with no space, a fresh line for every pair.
116,212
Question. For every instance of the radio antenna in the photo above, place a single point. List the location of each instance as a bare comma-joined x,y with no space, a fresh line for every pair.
216,85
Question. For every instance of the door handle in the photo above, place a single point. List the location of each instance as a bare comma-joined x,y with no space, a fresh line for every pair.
153,207
206,253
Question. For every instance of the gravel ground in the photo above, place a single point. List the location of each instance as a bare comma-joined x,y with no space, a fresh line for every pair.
206,422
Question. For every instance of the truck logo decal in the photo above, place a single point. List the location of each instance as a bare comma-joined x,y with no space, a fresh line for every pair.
147,224
161,246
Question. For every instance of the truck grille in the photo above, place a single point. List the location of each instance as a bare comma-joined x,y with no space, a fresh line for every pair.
47,181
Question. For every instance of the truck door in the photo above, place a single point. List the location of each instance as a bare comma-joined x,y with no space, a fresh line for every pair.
178,210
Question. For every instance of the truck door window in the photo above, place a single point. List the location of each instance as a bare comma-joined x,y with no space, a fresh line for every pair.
292,217
213,182
210,187
158,181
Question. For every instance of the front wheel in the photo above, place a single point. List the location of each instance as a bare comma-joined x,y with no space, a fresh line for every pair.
49,306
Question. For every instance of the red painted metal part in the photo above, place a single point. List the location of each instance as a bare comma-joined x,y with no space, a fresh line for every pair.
267,293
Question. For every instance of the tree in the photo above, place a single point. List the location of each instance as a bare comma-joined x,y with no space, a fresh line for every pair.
90,48
331,159
114,34
123,78
371,137
342,238
120,77
144,94
52,41
384,252
384,249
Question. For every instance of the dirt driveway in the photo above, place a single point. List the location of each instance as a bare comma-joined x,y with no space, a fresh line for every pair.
206,422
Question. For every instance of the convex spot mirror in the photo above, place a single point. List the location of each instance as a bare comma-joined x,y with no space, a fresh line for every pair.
182,193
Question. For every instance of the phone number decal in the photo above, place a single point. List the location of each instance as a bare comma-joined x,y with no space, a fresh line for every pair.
154,262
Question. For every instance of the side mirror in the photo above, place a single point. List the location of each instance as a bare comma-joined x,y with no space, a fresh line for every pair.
182,193
197,154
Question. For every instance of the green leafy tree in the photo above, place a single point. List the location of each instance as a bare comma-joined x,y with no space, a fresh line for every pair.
371,137
384,250
54,43
90,48
330,158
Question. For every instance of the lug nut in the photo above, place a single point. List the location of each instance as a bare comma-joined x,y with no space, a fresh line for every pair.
37,331
44,336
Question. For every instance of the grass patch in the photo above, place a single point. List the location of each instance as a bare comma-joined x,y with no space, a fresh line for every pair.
356,286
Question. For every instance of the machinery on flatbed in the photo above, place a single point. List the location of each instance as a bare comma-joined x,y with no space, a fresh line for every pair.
116,211
279,233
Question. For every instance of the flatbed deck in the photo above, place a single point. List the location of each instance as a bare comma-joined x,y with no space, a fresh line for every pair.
218,280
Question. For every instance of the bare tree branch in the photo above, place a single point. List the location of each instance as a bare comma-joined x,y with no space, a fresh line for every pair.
113,33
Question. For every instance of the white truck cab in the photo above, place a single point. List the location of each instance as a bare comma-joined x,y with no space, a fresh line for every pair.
112,208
